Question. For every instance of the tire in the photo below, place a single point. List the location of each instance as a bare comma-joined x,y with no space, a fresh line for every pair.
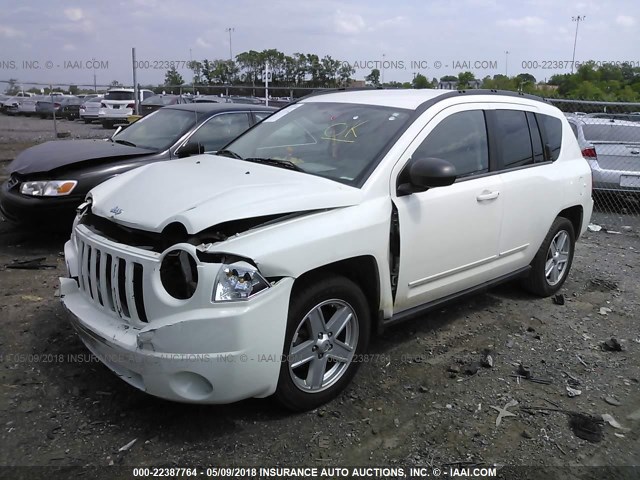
107,124
297,390
560,235
86,120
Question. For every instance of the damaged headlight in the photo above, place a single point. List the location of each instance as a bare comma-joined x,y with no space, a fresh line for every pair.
238,281
48,188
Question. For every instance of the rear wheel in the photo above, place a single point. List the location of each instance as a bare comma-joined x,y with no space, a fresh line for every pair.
328,329
550,267
87,120
107,124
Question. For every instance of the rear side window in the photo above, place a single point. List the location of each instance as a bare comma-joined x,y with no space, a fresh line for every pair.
552,132
462,140
514,141
574,129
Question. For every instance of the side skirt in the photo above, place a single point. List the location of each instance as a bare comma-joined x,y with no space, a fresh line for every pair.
435,304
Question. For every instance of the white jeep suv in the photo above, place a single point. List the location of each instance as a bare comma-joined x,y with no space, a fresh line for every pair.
264,269
118,104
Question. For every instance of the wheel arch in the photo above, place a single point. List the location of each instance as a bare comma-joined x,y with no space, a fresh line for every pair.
575,215
362,270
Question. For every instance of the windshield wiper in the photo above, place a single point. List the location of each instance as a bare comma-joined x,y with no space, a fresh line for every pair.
275,162
229,153
125,142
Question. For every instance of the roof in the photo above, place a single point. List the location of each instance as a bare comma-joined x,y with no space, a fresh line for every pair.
410,99
212,108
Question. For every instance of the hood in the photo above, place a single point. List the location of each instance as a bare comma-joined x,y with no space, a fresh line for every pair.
51,155
207,190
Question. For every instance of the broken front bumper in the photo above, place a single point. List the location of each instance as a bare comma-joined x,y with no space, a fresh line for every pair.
201,352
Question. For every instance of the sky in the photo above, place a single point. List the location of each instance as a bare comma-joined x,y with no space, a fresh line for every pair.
61,41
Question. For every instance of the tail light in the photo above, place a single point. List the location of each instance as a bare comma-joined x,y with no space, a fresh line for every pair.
56,105
131,105
589,153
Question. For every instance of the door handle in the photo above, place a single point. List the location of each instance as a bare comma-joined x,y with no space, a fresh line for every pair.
484,196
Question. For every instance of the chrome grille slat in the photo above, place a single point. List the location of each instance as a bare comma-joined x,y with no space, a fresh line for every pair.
115,294
93,274
104,292
129,289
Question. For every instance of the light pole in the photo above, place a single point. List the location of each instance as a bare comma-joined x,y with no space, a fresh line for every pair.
383,57
506,63
229,30
577,19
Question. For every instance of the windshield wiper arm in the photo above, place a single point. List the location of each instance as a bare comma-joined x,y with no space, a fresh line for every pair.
125,142
275,162
229,153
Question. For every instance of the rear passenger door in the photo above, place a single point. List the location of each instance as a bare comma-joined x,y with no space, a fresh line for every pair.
526,144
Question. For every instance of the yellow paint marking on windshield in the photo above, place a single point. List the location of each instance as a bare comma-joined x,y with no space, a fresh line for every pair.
340,132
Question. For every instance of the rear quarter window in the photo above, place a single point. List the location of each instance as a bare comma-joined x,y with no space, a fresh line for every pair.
552,134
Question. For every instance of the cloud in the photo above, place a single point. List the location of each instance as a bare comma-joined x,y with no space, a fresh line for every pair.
10,32
625,20
74,14
201,42
348,23
522,22
68,47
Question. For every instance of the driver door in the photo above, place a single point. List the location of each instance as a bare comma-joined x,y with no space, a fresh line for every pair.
449,236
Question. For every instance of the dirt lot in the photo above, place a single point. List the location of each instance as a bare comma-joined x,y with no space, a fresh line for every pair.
422,399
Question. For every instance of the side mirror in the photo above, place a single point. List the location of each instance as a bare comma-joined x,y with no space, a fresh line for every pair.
424,173
190,149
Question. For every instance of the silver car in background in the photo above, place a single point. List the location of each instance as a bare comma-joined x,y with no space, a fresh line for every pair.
612,148
90,109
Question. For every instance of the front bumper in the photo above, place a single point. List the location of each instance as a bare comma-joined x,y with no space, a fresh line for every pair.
46,211
191,350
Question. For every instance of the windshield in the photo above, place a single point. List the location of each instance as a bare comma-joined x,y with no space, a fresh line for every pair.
160,100
339,141
158,130
119,96
612,133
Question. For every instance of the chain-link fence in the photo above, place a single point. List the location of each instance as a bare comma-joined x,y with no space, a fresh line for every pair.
609,136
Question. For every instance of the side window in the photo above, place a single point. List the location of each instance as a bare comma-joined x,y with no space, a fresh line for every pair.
220,130
261,115
146,95
552,128
462,140
536,138
514,141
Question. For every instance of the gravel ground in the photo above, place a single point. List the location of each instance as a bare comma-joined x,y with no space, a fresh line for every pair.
424,398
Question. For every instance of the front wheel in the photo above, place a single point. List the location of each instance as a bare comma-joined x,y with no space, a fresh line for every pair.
550,267
327,332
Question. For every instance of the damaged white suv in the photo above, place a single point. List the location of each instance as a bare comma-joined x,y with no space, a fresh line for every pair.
264,269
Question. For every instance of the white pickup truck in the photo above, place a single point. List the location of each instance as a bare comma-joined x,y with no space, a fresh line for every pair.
118,104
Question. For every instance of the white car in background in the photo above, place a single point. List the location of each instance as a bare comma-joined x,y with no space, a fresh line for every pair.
118,104
28,105
90,109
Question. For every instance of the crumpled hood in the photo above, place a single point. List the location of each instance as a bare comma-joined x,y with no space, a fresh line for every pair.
51,155
207,190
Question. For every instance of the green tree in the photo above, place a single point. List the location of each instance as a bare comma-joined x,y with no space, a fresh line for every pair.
173,78
465,79
420,81
374,77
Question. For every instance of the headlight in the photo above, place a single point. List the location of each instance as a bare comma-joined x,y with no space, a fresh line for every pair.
48,188
238,281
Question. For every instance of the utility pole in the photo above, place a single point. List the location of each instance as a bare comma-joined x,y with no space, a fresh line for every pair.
135,82
506,63
382,79
229,30
577,19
